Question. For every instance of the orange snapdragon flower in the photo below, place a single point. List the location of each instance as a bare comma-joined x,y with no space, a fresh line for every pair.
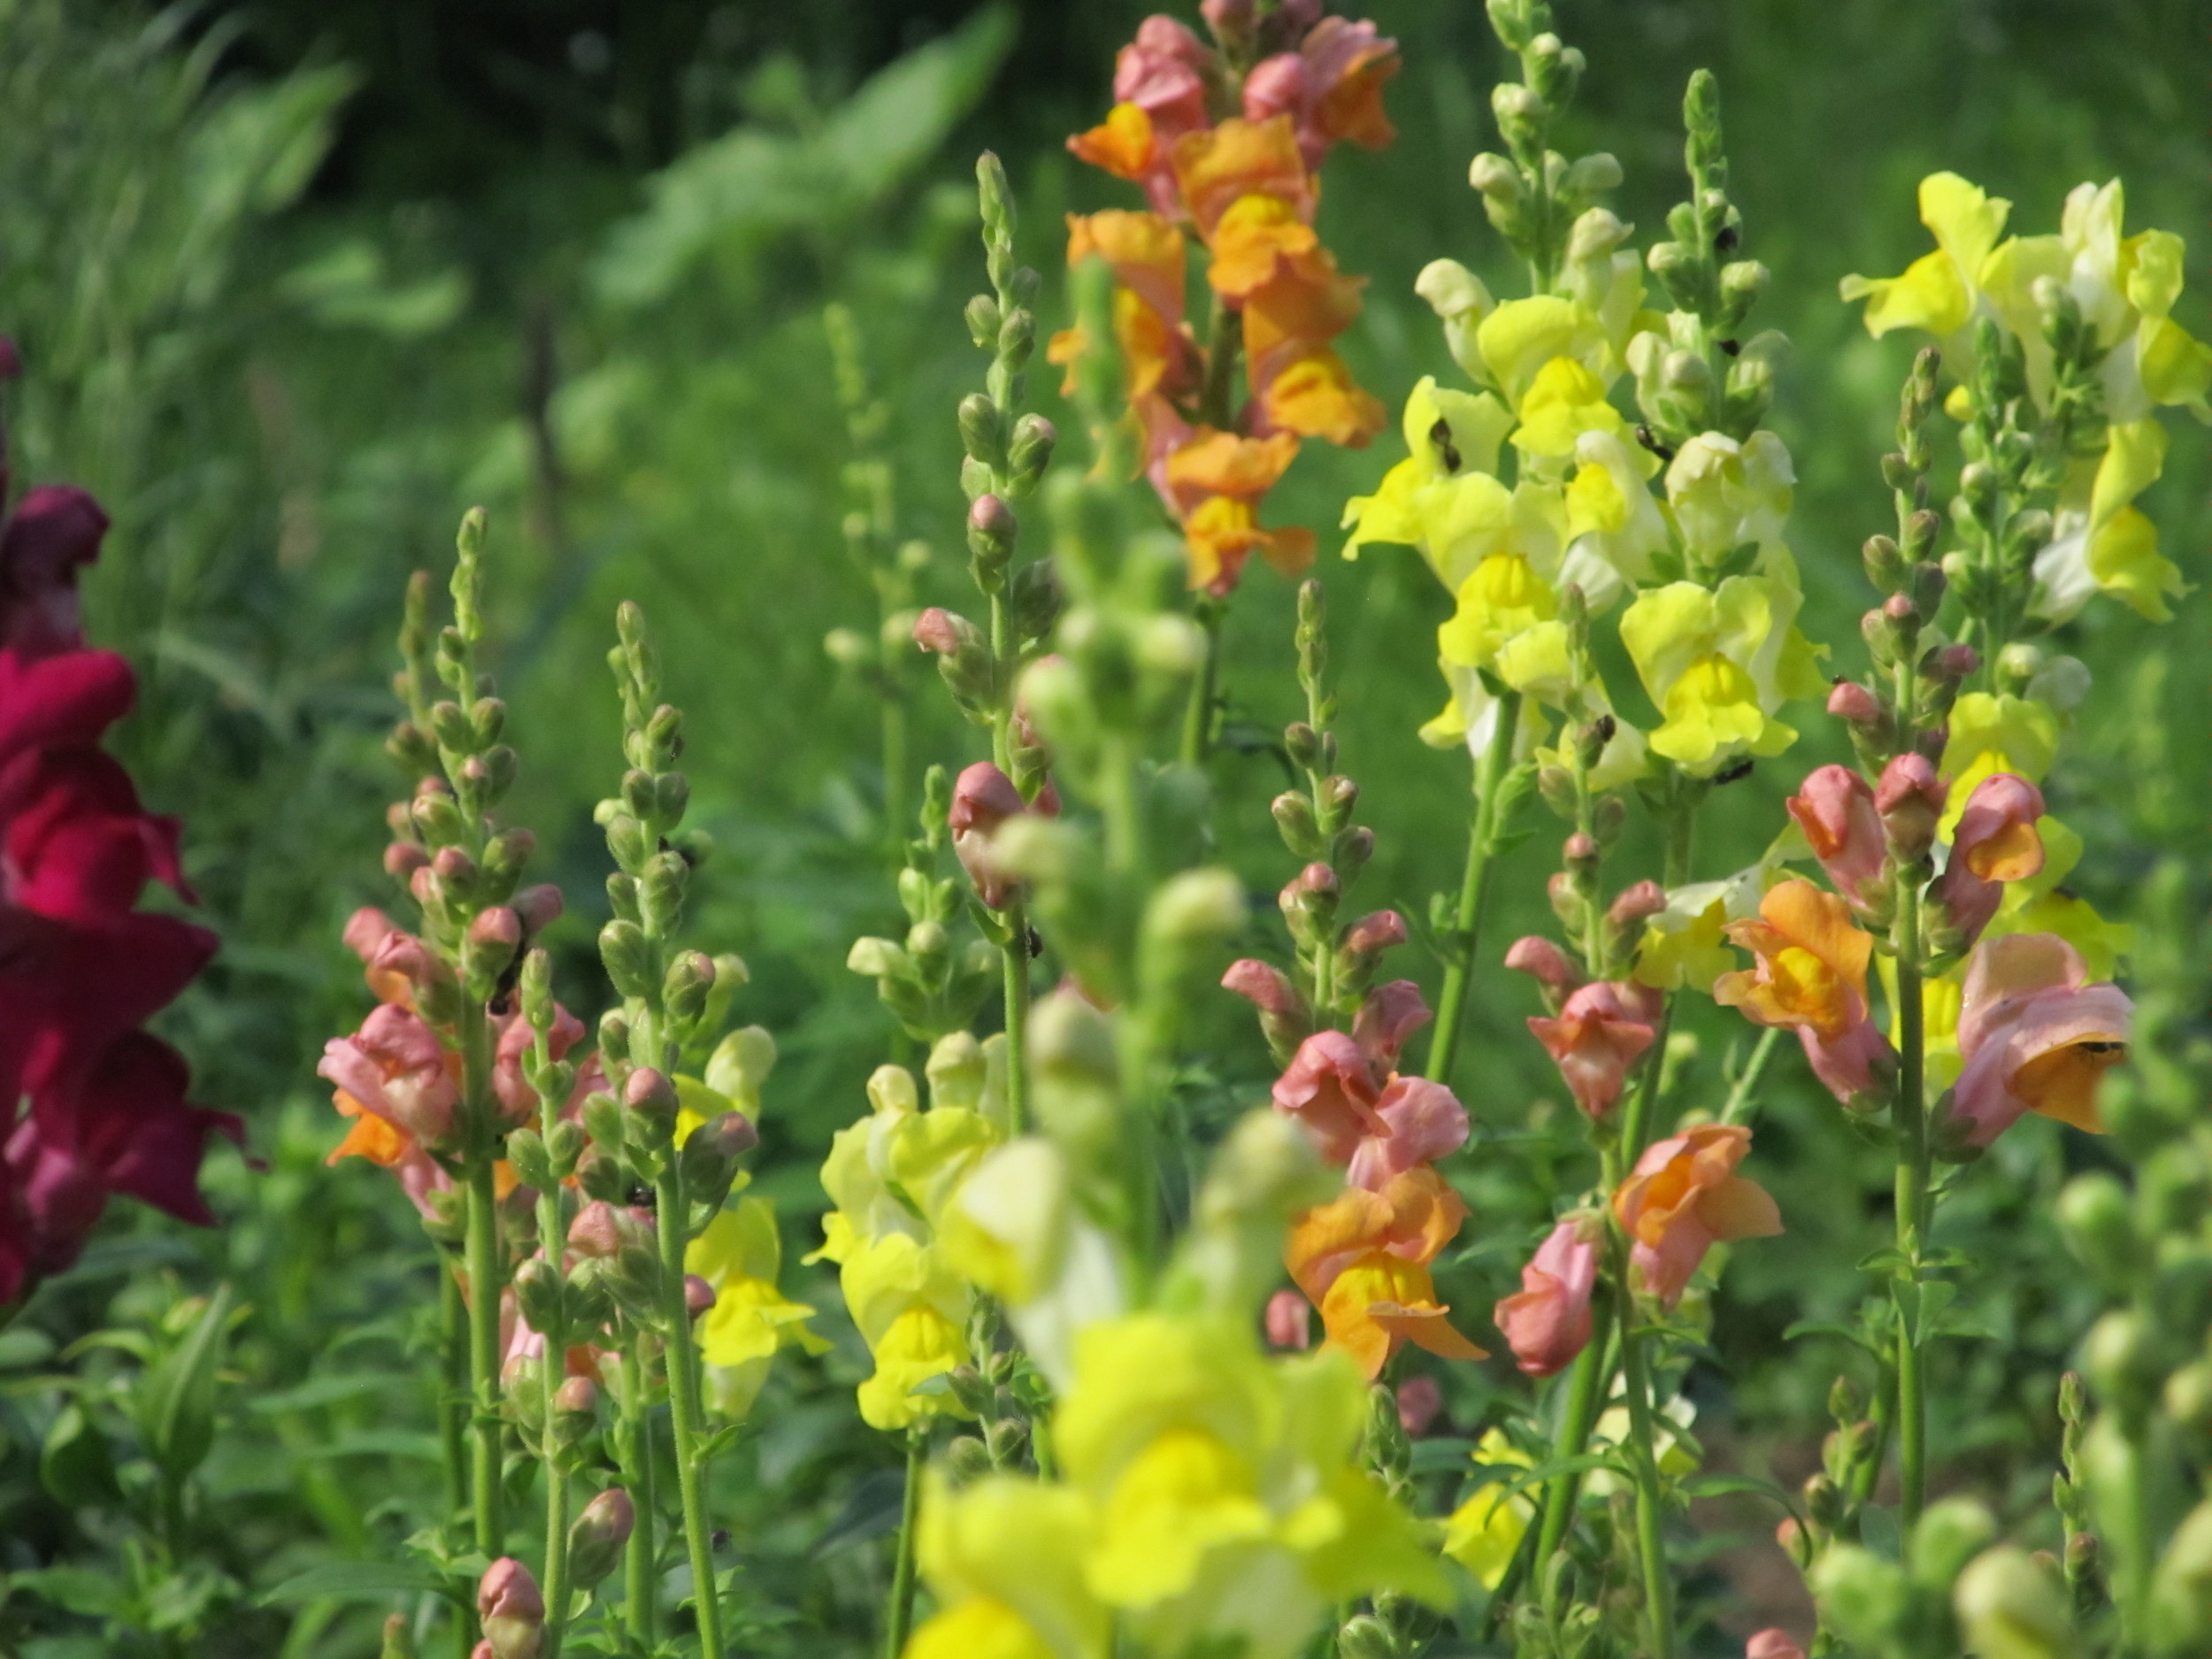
1811,975
1245,186
1363,1259
1683,1198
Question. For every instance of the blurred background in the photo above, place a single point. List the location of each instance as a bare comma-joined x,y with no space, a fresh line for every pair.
296,284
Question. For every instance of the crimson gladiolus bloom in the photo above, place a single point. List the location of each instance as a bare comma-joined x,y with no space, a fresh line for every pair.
1995,842
1547,1321
2035,1035
1836,811
1597,1035
1683,1198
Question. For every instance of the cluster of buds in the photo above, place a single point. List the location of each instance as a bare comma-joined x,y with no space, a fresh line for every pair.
1002,1392
1534,197
1955,1591
1337,960
1700,375
935,980
1851,1458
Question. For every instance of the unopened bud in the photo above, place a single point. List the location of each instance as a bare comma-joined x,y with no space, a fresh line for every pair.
978,431
1850,701
596,1537
991,529
650,1100
1031,451
628,956
597,1229
510,1610
698,1294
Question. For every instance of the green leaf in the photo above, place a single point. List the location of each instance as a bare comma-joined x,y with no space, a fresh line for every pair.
75,1465
326,1391
23,1347
381,1443
1827,1327
362,1580
1723,1486
1547,1471
177,1396
1438,1455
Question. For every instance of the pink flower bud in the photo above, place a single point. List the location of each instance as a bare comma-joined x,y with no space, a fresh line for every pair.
1317,879
422,885
453,864
936,630
1420,1402
497,926
1548,964
1899,608
648,1090
1910,800
597,1229
402,859
539,906
1389,1015
1289,1320
1374,933
1580,849
1266,988
983,798
1850,701
698,1294
733,1134
1277,85
1636,904
1774,1643
991,517
367,929
577,1394
596,1536
510,1609
1835,809
1957,662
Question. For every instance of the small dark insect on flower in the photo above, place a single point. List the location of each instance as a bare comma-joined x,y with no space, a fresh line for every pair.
640,1198
1649,439
1726,239
1733,347
1440,435
1036,943
720,1540
1737,768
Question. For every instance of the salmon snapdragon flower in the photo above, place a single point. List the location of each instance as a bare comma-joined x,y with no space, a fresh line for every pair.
2035,1035
1996,841
1810,975
1601,1031
1683,1198
1244,186
1358,1109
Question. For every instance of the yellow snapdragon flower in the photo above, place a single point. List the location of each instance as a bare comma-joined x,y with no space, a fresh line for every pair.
1724,494
1521,338
1485,1533
740,1254
1686,943
1717,663
1938,291
2101,542
1613,523
892,1177
1005,1557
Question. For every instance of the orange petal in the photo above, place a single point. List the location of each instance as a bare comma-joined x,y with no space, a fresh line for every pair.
1215,165
1122,145
1425,1326
1820,923
370,1137
1225,464
2013,854
1253,237
2062,1084
1738,1208
1316,397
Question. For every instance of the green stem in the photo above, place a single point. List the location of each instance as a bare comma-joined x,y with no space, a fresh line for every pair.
1651,1550
551,1232
453,1406
1014,955
898,815
1198,715
1482,837
634,1453
1586,1389
684,1412
1739,1106
1681,824
1912,1212
484,1288
900,1617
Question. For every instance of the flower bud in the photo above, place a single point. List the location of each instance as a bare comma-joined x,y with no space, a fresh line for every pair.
1420,1402
1910,801
991,529
1366,1637
628,955
979,432
1548,965
2009,1607
596,1536
1289,1320
399,1639
649,1099
1293,817
402,859
1951,1532
2119,1355
578,1396
698,1294
538,1294
982,318
1373,933
2096,1218
510,1610
1031,451
1852,702
685,986
597,1231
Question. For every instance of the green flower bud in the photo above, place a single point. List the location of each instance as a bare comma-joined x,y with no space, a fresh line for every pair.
2097,1218
1951,1533
1031,452
1861,1595
982,318
532,1165
2119,1355
2009,1607
979,432
628,956
649,1104
564,1149
538,1294
684,988
597,1535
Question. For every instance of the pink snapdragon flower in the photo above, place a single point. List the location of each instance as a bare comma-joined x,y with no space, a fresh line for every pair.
1346,1090
1547,1321
1683,1198
1836,809
1995,842
1598,1033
